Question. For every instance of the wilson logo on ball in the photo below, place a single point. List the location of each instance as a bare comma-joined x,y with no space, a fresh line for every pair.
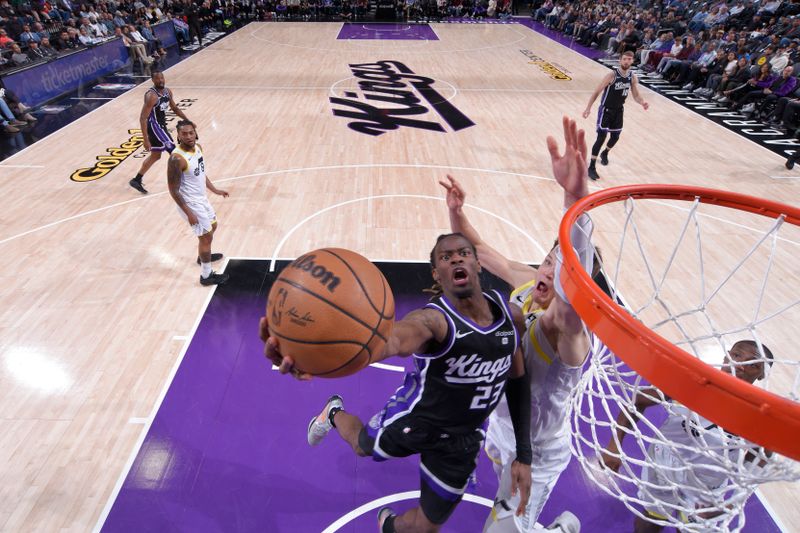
325,277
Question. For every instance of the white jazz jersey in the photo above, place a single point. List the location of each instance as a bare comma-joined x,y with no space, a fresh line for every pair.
551,381
694,462
193,178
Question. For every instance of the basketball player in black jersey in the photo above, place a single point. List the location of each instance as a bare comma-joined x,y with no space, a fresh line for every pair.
615,87
153,121
465,346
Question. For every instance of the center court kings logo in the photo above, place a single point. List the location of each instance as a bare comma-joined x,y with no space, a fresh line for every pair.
389,95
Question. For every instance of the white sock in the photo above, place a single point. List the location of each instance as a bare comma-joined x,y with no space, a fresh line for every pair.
206,270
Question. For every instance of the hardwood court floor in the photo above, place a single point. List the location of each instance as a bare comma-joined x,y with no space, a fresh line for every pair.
99,286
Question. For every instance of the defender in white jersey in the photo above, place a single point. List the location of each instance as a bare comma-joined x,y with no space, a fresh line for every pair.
187,185
555,345
745,362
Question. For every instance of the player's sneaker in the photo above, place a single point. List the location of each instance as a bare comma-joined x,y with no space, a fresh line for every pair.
214,279
593,174
790,163
320,425
137,184
604,158
214,258
384,514
566,522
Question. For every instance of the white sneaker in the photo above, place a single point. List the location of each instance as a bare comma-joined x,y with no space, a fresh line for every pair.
724,100
566,522
748,108
320,425
688,87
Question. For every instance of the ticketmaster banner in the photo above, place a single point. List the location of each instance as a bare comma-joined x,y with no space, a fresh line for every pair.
46,81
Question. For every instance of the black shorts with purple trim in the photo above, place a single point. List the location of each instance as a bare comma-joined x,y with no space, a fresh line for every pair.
446,461
159,137
610,119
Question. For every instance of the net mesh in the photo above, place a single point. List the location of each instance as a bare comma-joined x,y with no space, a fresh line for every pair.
666,462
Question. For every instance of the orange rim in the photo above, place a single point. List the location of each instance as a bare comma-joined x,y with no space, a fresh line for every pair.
743,409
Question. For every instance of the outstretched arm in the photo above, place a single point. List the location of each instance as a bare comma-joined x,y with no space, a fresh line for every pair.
409,335
560,323
512,272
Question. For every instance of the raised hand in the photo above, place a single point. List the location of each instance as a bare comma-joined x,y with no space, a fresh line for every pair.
569,169
455,194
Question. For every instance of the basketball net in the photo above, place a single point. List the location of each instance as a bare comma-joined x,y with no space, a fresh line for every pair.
687,471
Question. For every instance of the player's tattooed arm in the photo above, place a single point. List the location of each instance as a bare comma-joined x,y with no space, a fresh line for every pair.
414,332
175,167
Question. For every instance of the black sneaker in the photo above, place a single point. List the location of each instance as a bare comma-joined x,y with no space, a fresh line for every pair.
214,279
384,514
137,184
593,174
604,158
214,258
790,163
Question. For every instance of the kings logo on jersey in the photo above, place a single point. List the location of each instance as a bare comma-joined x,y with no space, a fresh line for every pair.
473,369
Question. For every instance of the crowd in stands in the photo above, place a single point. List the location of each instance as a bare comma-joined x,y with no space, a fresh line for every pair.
742,53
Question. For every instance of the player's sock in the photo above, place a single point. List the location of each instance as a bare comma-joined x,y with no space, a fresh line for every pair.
205,270
386,518
332,413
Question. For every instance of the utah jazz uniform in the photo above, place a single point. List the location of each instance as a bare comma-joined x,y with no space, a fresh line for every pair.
440,410
691,463
157,133
193,189
612,104
552,382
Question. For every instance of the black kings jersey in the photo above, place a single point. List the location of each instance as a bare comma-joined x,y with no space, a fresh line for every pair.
457,386
159,111
616,92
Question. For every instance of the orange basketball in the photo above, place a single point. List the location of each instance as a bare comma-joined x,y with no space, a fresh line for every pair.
332,311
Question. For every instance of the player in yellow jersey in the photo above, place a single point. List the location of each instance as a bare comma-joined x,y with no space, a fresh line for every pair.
186,176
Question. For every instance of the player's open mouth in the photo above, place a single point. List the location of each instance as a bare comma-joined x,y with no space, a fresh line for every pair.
541,287
460,277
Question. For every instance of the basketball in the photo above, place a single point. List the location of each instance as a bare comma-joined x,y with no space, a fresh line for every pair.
332,311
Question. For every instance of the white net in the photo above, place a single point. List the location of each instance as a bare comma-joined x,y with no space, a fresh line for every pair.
704,278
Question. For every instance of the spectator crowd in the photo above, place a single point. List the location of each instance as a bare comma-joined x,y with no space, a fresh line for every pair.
742,54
